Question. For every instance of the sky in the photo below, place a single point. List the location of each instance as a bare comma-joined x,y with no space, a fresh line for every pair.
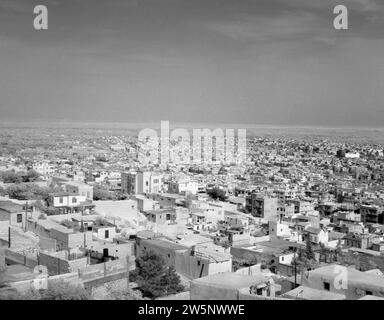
268,62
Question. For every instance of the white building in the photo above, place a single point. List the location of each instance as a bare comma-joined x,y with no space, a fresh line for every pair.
183,187
43,168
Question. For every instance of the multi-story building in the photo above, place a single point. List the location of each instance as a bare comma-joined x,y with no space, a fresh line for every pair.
149,182
261,206
129,183
141,182
183,187
79,188
43,168
372,214
70,202
361,241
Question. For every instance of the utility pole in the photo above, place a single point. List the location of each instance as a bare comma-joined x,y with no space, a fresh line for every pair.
128,265
295,263
26,216
9,237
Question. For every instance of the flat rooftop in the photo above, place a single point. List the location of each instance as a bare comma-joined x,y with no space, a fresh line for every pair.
170,195
18,272
162,243
364,278
10,207
230,280
369,297
307,293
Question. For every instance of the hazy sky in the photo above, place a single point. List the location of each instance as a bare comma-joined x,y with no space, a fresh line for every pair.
233,61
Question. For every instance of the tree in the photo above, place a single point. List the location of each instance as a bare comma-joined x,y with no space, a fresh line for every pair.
11,177
58,290
217,194
62,290
247,261
20,192
100,193
101,158
323,252
11,294
120,195
3,282
30,191
154,277
305,259
31,176
189,201
100,221
308,249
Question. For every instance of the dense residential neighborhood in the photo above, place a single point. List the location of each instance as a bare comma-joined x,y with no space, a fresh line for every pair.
84,211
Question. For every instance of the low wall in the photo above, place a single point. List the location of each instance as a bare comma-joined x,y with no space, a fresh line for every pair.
362,261
245,295
13,257
102,269
2,258
205,291
58,264
25,286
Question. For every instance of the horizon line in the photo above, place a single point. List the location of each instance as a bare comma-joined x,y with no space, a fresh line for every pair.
141,123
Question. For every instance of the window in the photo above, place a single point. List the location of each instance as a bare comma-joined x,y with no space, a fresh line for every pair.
326,286
106,234
74,200
19,218
61,199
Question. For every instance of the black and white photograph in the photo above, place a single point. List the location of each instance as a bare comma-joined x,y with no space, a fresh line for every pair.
191,157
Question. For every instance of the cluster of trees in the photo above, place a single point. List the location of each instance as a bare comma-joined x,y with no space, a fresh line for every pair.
101,158
102,193
217,194
305,258
154,277
30,191
247,261
19,177
59,290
